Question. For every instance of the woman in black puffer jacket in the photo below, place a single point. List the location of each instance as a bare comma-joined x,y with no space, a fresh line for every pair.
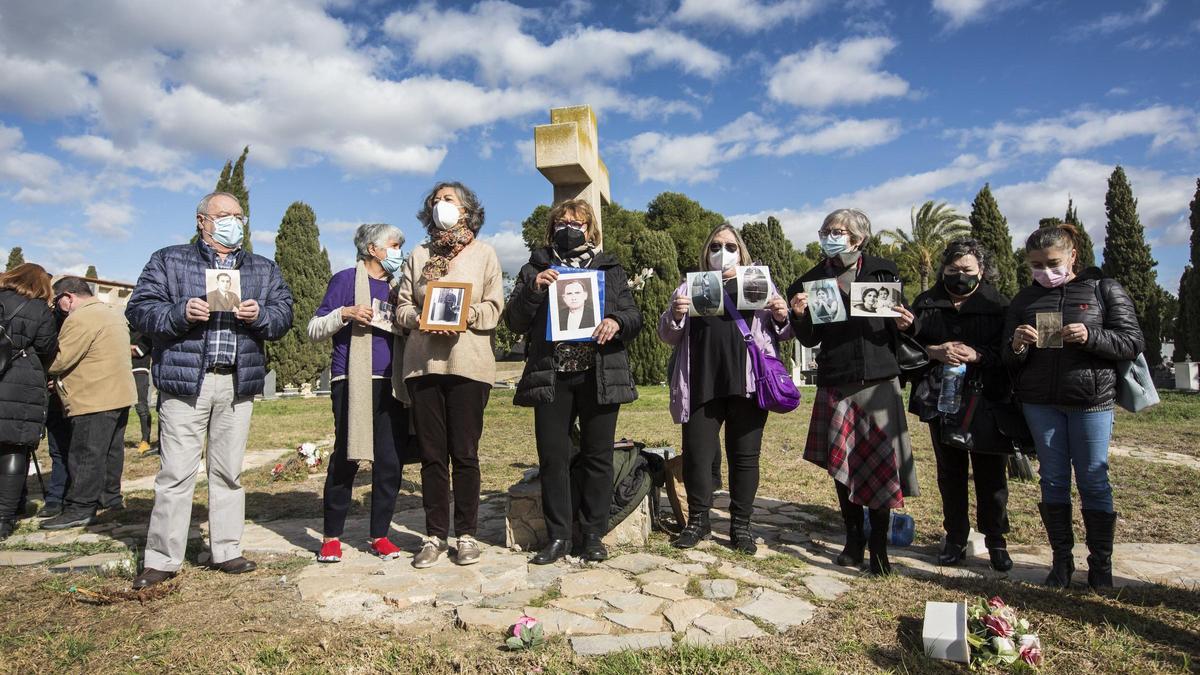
1068,392
565,381
25,314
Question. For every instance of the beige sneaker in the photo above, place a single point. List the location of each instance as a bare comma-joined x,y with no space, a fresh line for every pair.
431,551
467,550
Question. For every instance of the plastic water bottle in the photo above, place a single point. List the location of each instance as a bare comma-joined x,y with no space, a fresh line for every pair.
950,400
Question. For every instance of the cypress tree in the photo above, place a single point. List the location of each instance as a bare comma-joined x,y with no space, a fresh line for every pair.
91,272
1127,259
990,227
1192,291
685,222
648,355
305,268
1083,244
15,257
1183,338
1024,274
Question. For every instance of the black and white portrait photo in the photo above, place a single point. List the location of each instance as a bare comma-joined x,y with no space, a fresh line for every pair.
708,297
825,301
754,287
1049,330
874,298
577,306
383,315
446,304
223,290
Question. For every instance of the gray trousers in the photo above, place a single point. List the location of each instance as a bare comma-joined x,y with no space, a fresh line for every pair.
219,417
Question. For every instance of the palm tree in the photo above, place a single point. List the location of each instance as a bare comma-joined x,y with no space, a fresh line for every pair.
932,227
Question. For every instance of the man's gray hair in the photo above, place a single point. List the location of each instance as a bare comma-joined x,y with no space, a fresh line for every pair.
202,207
854,221
375,233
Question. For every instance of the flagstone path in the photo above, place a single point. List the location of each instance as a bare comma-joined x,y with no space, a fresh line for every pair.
1156,456
635,600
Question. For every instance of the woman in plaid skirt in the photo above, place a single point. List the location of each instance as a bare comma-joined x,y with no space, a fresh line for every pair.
858,432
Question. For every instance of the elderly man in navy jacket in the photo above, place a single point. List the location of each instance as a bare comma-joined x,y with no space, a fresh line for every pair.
207,367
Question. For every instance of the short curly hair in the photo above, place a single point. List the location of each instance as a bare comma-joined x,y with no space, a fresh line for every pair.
969,246
472,209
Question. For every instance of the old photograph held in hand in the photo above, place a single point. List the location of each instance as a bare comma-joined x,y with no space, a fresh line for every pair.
1049,330
446,305
577,305
223,290
708,298
754,286
874,298
825,304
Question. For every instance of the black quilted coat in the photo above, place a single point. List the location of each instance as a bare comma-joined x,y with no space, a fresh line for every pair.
23,387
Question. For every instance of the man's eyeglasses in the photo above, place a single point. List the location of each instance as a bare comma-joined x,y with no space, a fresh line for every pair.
716,246
573,224
241,219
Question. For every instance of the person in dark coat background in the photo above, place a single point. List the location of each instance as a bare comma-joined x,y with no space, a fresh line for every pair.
565,381
139,354
25,294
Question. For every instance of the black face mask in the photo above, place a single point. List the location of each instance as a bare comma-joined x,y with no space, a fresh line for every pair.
960,284
568,239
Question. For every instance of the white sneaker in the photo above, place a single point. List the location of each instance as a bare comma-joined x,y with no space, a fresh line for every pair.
467,550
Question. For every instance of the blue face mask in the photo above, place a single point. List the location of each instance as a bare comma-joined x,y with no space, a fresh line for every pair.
392,262
833,245
228,231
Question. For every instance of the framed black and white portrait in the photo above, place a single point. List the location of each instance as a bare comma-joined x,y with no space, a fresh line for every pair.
446,304
875,298
223,290
576,305
706,292
754,286
825,303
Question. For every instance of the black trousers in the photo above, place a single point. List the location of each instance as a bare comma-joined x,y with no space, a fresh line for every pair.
14,464
96,460
447,412
58,439
991,492
744,422
141,380
390,424
575,482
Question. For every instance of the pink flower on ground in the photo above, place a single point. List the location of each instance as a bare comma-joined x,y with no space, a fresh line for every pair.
998,626
996,602
522,624
1031,655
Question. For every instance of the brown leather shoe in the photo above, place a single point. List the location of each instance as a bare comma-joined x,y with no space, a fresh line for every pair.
151,577
238,565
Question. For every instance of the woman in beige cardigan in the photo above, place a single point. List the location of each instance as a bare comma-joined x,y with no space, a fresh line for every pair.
449,375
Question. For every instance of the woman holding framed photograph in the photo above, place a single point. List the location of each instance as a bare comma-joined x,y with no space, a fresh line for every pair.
858,433
584,380
449,374
712,385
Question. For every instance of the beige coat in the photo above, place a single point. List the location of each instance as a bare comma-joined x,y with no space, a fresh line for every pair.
467,354
92,369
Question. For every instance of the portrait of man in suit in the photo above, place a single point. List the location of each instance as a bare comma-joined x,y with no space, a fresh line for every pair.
224,290
576,312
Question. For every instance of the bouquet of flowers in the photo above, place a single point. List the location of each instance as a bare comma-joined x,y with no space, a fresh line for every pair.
999,637
307,460
638,281
526,633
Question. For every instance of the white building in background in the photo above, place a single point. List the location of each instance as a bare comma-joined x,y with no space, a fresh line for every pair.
115,293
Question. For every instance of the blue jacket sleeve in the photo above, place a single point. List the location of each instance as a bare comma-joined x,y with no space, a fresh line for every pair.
151,309
275,316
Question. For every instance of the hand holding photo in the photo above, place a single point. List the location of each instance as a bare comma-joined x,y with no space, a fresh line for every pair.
708,297
576,305
383,315
223,290
875,298
1049,329
754,287
446,305
825,304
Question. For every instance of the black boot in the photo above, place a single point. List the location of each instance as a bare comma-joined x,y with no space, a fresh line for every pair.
7,527
696,531
593,548
1057,519
952,552
10,497
998,553
852,520
556,549
741,539
881,521
1099,526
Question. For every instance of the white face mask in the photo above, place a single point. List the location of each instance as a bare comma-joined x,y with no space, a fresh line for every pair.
446,215
723,260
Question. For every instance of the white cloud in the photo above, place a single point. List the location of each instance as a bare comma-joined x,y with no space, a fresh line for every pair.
1117,21
961,12
851,135
491,36
109,220
1088,129
1117,91
263,236
510,247
844,74
747,16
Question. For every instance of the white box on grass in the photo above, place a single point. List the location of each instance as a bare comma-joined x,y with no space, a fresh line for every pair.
945,631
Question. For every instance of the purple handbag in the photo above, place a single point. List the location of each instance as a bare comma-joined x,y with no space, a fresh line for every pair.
772,383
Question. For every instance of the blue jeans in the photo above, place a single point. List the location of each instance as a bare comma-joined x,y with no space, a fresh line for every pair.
58,436
1072,438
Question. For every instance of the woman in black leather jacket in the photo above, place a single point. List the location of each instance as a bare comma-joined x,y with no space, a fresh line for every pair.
961,321
1068,391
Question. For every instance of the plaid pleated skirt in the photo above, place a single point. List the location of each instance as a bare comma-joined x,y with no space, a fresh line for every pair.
859,434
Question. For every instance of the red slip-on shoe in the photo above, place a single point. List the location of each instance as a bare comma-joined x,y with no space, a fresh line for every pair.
331,552
384,548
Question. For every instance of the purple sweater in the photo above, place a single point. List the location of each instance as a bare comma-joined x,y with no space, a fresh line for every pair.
341,294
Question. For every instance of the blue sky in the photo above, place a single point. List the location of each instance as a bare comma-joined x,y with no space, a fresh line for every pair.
116,117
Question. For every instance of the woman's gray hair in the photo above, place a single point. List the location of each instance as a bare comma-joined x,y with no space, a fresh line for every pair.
472,209
969,246
854,221
375,233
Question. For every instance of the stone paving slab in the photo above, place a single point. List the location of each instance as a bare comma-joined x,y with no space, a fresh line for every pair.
711,630
25,558
780,610
681,614
592,582
100,563
561,622
599,645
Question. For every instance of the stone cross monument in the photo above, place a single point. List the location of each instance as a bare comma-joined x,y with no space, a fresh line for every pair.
567,152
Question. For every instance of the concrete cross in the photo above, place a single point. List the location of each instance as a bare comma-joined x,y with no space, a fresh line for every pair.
567,152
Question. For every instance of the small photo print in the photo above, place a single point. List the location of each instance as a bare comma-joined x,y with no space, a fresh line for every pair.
754,287
1049,328
223,290
576,306
383,315
446,304
874,298
708,297
825,304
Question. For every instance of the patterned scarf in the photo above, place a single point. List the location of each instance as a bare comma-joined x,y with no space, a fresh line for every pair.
443,246
580,257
